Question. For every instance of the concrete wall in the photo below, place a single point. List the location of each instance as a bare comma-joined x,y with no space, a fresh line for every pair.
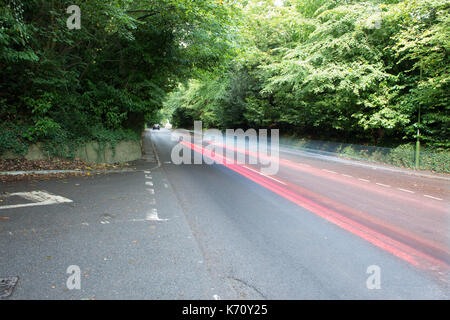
123,152
90,152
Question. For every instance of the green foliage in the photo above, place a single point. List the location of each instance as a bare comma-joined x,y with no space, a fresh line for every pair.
13,138
340,70
336,70
105,80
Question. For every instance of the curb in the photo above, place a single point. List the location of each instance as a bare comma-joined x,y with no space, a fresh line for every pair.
44,172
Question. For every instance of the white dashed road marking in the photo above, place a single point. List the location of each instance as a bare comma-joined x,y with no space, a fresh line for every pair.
153,216
304,164
365,180
426,195
265,175
149,183
383,185
404,190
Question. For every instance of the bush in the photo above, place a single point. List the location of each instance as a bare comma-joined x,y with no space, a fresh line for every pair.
13,138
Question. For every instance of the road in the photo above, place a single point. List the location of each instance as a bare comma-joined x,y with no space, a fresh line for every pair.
315,230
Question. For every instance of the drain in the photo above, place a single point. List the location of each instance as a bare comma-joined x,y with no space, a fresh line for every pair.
7,285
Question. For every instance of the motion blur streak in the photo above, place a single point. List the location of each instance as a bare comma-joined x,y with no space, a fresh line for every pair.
402,251
342,179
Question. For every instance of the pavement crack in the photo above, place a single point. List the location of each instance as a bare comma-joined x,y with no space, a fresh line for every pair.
239,282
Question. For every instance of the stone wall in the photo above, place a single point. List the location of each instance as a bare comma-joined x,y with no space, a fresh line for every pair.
93,152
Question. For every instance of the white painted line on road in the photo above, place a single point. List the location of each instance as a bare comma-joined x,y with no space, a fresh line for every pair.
383,185
152,191
153,201
166,185
274,179
330,171
265,175
149,183
426,195
147,172
347,175
39,198
216,297
137,220
404,190
104,222
304,164
153,216
167,162
365,180
148,177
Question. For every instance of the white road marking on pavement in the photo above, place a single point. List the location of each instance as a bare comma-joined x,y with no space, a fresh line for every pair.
166,185
347,175
149,183
328,171
147,172
153,216
304,164
104,222
39,198
153,201
405,190
167,162
148,177
265,175
365,180
85,224
216,297
383,185
425,195
152,191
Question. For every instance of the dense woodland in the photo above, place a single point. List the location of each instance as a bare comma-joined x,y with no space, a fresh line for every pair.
105,80
341,70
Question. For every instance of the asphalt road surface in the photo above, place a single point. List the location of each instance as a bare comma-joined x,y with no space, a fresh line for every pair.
321,228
